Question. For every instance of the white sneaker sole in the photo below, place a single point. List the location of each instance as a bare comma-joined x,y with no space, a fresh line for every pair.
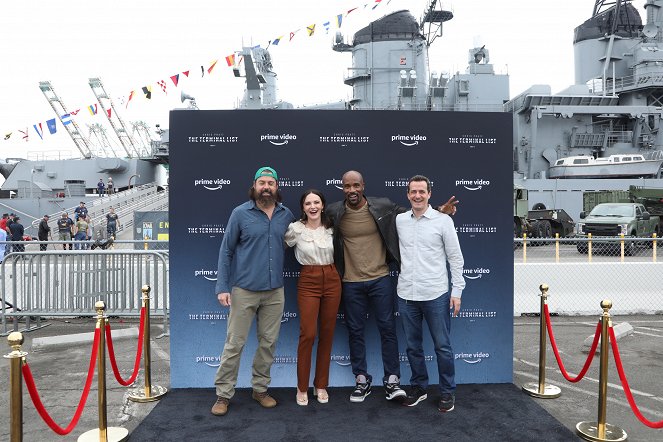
421,398
395,394
359,398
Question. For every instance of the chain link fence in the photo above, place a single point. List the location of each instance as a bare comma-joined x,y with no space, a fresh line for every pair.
581,272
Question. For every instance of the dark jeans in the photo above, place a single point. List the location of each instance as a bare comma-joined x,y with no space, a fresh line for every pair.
357,296
437,315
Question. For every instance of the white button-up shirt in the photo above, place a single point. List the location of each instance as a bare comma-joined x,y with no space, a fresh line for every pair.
426,244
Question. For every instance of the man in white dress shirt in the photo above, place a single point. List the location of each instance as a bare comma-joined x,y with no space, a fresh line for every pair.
428,241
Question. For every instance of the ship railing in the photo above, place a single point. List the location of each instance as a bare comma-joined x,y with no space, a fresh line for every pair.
476,107
38,285
600,87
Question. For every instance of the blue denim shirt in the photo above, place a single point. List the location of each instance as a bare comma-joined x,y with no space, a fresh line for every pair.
252,250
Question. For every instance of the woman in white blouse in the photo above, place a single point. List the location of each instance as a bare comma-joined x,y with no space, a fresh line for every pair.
318,293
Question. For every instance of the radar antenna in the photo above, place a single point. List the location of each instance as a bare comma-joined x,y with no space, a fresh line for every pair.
432,19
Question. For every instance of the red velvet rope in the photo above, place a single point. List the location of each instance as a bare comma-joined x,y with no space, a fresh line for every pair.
111,351
34,394
627,389
553,344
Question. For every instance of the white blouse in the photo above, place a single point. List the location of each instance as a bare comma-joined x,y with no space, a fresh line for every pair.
312,246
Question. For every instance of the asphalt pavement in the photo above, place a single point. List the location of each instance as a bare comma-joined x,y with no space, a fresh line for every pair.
60,372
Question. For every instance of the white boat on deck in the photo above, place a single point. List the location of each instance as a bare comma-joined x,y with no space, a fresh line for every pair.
614,166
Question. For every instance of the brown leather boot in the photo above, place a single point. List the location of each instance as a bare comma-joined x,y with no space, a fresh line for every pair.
264,399
220,407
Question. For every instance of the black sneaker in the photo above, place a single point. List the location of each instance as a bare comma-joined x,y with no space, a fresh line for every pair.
446,402
392,388
416,395
362,389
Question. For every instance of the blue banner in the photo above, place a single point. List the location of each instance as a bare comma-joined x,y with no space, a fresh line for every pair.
214,155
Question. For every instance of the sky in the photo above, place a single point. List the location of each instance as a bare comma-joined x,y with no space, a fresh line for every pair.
130,44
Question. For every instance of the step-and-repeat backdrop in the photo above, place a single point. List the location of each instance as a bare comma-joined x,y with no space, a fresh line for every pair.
213,158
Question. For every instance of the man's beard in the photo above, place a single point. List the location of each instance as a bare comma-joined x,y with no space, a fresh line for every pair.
265,199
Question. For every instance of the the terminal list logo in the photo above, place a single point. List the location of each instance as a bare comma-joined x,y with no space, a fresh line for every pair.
408,140
344,139
212,139
400,182
472,358
476,184
475,229
211,183
477,273
208,316
472,140
212,230
291,182
476,313
209,275
278,140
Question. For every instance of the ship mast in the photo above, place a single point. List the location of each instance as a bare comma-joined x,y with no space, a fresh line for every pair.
431,22
70,126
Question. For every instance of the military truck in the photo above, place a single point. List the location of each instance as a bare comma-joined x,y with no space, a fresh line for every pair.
539,222
636,213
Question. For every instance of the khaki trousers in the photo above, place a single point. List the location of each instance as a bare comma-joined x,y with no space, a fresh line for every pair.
318,297
245,305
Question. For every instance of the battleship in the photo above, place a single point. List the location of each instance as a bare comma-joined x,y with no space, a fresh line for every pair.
614,108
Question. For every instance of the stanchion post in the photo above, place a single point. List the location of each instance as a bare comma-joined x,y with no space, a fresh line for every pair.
589,247
556,247
150,392
653,248
16,357
524,248
621,247
600,430
103,433
541,389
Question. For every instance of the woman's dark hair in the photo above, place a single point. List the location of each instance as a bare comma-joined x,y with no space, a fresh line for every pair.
324,218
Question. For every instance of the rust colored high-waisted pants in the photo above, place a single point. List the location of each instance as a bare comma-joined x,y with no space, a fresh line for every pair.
318,297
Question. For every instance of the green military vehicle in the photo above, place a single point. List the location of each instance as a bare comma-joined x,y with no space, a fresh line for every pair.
636,213
539,222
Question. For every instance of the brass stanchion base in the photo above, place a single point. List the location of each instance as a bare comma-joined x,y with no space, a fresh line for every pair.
156,393
549,391
113,434
589,431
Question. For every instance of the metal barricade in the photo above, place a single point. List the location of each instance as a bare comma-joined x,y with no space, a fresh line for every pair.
68,283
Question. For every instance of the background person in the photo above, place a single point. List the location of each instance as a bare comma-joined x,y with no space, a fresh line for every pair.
112,223
43,233
101,187
318,292
250,277
3,245
65,230
17,232
428,241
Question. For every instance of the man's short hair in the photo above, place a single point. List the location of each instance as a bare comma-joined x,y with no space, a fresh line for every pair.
419,178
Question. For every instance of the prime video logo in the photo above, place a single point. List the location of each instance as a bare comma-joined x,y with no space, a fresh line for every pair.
408,140
215,184
475,273
473,184
336,183
209,275
472,358
278,140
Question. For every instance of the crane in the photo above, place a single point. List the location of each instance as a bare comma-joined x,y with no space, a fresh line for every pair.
70,125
